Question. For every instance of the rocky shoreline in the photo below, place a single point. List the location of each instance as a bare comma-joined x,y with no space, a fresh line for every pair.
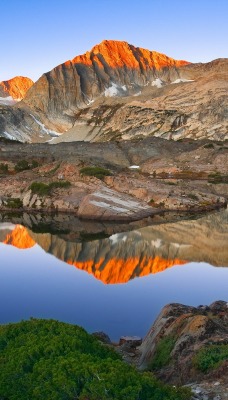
114,181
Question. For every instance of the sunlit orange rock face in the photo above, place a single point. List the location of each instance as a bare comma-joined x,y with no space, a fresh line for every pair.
19,238
122,270
16,87
118,54
77,82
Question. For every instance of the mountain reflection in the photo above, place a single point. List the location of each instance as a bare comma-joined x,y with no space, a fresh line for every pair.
124,256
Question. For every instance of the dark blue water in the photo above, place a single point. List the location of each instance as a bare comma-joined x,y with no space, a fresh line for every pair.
36,284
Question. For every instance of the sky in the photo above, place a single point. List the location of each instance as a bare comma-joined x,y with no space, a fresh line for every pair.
37,35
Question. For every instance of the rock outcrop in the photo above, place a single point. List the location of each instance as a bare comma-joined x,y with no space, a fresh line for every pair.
188,330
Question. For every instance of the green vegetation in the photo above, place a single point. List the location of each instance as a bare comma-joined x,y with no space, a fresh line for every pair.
209,146
217,177
89,237
23,165
14,202
211,357
162,353
193,196
4,168
44,189
98,172
46,359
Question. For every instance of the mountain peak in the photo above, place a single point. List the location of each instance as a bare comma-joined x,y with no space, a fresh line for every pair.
16,87
117,54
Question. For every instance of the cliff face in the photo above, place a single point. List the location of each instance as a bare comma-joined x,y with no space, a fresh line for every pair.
110,68
16,87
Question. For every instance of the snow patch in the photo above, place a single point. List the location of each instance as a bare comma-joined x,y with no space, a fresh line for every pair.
182,80
134,167
137,94
158,83
114,90
47,131
8,136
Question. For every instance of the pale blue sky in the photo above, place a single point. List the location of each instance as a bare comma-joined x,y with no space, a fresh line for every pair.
37,35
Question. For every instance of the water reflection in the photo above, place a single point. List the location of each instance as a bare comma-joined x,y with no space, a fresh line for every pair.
121,257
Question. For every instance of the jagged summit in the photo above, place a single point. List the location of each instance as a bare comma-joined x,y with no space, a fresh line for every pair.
117,54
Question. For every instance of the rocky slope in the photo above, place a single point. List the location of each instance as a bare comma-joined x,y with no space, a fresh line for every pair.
16,88
118,91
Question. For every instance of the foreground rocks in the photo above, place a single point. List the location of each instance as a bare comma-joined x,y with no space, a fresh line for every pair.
191,330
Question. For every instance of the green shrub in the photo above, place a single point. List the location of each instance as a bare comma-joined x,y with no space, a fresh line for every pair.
209,146
193,196
4,168
211,357
161,356
44,189
46,359
14,202
22,165
98,172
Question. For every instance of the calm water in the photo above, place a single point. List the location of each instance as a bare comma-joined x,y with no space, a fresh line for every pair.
105,288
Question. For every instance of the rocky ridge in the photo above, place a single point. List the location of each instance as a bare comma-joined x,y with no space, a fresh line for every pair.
119,92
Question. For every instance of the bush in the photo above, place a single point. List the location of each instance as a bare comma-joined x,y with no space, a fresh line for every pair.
14,203
46,359
4,168
24,165
162,353
211,357
98,172
44,189
209,146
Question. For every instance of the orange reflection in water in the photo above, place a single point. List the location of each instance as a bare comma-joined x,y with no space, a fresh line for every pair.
109,271
19,238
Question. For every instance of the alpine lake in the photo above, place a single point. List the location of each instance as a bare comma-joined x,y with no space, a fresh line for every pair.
110,277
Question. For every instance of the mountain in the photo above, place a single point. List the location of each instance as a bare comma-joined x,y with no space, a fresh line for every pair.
118,91
14,89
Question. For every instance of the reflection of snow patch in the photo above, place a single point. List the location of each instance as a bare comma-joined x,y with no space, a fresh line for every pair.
182,80
7,226
158,83
134,167
7,101
156,243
